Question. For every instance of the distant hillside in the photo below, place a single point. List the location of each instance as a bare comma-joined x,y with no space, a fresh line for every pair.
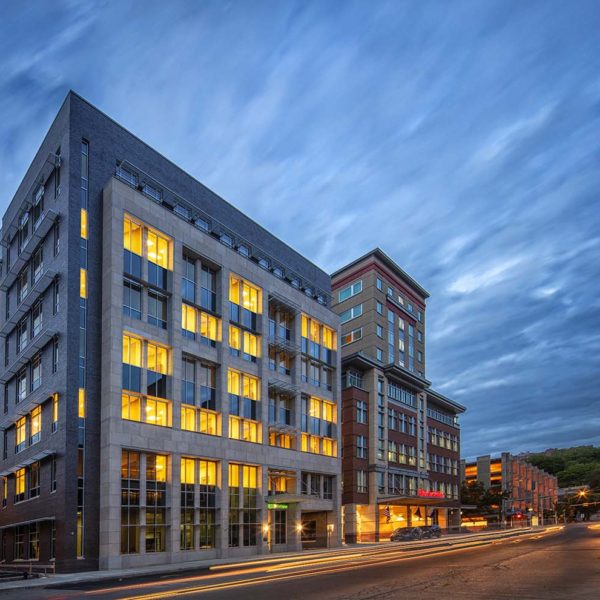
572,466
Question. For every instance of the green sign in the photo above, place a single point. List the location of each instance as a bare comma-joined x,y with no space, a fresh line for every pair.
272,506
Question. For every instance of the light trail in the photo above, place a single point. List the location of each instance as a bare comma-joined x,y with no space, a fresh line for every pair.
389,558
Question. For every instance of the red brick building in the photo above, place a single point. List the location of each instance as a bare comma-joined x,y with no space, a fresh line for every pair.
401,439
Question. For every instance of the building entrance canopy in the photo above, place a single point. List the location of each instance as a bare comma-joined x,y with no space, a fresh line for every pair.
417,501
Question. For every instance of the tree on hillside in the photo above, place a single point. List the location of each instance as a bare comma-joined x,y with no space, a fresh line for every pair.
572,466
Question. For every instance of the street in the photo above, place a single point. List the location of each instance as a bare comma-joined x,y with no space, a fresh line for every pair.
556,564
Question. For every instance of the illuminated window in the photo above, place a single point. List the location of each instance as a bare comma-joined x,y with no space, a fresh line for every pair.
131,407
234,382
250,387
20,434
54,412
352,336
244,514
328,447
243,429
235,339
328,338
242,384
245,294
208,422
157,412
208,473
158,359
82,283
210,328
281,440
132,362
188,418
318,340
158,249
132,236
188,470
251,344
318,445
84,224
158,470
36,424
81,404
188,321
314,331
20,485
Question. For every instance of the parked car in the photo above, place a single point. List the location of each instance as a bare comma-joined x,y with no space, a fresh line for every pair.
432,531
406,534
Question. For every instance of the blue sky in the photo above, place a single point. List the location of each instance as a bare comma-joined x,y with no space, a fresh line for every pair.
462,138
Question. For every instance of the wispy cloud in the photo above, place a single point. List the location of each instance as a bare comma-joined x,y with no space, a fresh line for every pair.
465,143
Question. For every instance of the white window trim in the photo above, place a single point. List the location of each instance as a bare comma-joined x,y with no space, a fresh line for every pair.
352,292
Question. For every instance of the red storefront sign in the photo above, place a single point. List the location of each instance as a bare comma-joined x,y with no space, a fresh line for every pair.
429,494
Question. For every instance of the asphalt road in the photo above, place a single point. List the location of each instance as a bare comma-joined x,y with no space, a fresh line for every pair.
562,564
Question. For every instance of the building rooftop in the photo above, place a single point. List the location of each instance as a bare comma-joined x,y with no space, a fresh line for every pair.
388,262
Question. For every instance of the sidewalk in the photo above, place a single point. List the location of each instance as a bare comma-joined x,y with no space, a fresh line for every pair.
181,568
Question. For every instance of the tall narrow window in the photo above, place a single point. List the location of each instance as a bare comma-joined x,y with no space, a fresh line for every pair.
188,385
157,309
132,247
54,412
132,299
130,502
188,479
20,486
158,258
210,329
36,372
156,502
244,511
207,517
84,224
188,321
83,291
245,301
132,363
208,291
20,434
36,425
188,284
158,369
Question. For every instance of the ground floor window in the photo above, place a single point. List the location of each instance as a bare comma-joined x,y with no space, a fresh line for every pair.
34,541
244,514
130,502
20,533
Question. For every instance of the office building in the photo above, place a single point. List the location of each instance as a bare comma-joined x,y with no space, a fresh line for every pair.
401,439
157,403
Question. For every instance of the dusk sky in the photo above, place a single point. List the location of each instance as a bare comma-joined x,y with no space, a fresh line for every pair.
463,138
